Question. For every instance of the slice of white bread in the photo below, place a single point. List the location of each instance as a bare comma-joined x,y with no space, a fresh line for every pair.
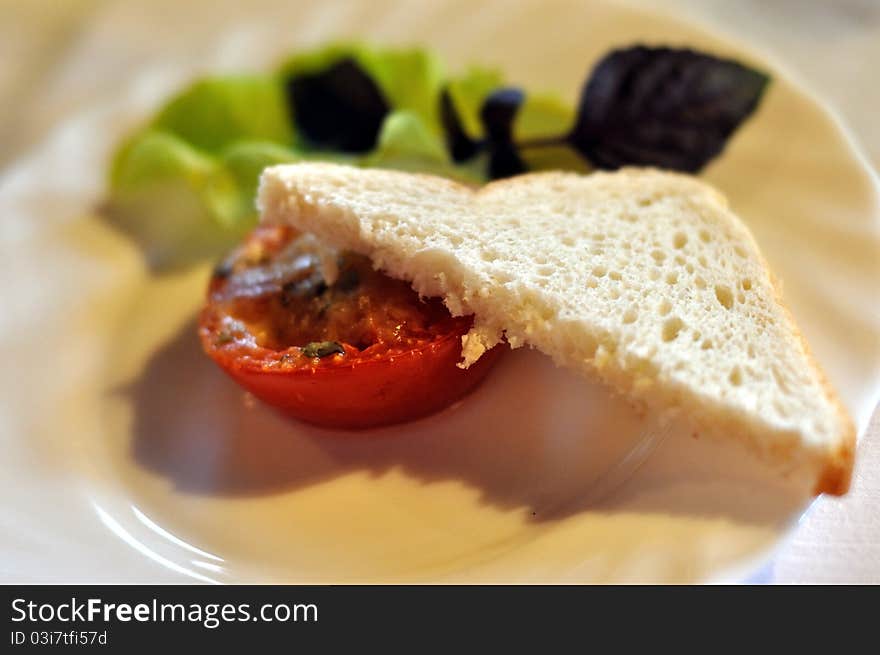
644,279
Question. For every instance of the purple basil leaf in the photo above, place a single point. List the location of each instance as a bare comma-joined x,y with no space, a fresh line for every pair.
497,115
461,146
339,108
504,161
662,107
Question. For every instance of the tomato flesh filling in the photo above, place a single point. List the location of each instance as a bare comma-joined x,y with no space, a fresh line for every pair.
271,296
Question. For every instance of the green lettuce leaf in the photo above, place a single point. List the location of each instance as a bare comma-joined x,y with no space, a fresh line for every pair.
406,144
410,79
542,116
215,112
468,92
244,161
154,157
177,202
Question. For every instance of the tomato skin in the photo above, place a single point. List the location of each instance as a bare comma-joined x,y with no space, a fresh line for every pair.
368,393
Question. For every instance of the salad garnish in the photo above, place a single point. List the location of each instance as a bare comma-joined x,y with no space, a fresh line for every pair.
184,184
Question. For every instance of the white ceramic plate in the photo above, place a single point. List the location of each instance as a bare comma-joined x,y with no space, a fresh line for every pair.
126,456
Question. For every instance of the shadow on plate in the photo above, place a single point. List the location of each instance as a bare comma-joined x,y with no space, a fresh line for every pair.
532,437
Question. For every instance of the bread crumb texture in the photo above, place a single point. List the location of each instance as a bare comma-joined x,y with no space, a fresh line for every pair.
644,279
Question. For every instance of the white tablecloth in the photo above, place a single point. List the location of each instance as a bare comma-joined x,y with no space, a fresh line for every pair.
833,47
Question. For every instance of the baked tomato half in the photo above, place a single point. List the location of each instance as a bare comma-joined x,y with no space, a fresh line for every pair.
359,352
